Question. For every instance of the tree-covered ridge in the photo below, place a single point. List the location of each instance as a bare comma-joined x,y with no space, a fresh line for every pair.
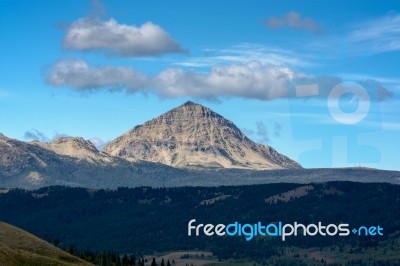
146,220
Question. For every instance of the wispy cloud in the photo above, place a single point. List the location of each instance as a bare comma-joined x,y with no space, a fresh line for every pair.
243,53
378,35
277,129
363,38
35,134
294,20
262,132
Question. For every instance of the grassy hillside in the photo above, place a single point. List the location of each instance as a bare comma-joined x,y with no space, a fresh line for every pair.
18,247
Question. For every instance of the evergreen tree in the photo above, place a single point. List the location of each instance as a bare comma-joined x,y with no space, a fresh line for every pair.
154,262
132,260
168,263
118,261
125,260
162,262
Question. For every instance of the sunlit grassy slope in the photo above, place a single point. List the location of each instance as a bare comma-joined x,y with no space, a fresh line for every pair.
18,247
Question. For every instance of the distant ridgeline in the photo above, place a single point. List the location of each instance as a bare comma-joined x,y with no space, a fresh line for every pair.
190,145
146,220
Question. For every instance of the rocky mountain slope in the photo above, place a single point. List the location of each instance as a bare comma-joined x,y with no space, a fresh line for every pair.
78,148
71,162
193,136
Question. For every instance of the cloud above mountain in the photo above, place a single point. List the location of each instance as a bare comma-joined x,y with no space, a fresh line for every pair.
253,80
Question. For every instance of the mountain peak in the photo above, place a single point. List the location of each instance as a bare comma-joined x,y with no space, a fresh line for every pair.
190,106
192,135
190,103
77,142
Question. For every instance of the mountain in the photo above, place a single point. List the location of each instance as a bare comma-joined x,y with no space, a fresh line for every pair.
19,247
78,148
193,136
188,146
72,162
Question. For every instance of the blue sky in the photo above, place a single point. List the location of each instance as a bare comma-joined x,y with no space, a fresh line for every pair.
317,80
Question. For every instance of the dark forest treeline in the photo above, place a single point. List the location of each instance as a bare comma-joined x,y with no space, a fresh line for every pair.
147,220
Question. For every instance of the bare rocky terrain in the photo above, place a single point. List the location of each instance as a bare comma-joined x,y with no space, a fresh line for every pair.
193,136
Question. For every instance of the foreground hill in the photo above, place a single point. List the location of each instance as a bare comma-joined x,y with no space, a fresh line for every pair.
18,247
194,136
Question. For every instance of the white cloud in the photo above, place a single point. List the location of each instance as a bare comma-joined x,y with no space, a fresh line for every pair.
378,35
117,39
251,80
294,20
79,75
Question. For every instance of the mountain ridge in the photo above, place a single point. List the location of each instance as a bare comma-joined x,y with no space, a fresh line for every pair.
29,166
76,147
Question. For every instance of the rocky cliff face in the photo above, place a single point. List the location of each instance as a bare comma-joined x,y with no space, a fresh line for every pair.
193,136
